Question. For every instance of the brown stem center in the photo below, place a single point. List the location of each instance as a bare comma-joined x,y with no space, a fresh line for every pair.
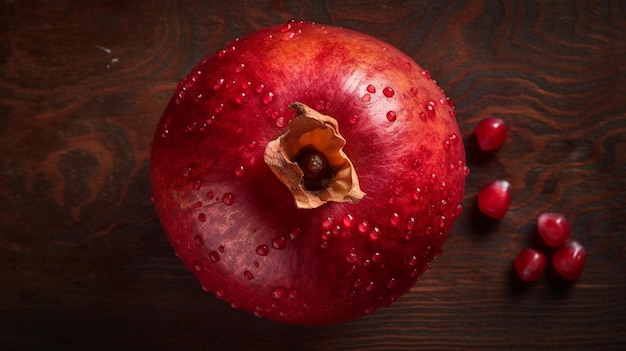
309,159
317,172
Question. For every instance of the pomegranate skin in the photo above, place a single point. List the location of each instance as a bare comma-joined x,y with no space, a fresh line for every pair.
235,225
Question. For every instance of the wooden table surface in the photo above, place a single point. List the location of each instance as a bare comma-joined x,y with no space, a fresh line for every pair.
85,265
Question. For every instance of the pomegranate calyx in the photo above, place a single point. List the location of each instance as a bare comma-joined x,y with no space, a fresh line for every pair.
309,159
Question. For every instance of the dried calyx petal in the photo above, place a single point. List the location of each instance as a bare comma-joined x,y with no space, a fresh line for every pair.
310,161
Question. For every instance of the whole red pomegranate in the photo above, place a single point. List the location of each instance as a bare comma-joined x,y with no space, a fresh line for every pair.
308,174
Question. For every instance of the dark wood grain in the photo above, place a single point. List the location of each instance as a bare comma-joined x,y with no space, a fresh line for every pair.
85,265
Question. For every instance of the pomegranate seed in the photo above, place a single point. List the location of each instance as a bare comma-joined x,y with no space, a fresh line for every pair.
491,132
530,264
494,199
554,229
569,260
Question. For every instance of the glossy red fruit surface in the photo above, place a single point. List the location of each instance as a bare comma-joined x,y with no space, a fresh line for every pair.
234,222
530,264
491,133
553,228
495,198
569,260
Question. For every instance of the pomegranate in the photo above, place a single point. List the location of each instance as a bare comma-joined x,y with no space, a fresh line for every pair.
553,228
308,174
494,199
491,133
530,264
569,260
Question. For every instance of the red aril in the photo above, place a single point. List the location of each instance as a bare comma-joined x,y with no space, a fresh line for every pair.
530,264
494,199
491,133
569,260
554,228
308,174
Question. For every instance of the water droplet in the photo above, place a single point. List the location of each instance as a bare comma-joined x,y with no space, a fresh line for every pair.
246,85
218,84
364,227
279,243
202,217
219,109
454,139
353,119
377,257
295,233
278,293
214,256
426,74
327,223
326,235
281,122
348,220
430,111
262,250
366,98
219,294
240,67
289,36
228,199
370,287
198,240
447,145
375,233
388,92
394,219
433,178
352,258
459,210
414,91
391,116
248,275
259,88
371,88
240,171
198,266
267,97
324,245
391,283
423,116
241,98
293,294
285,27
410,224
